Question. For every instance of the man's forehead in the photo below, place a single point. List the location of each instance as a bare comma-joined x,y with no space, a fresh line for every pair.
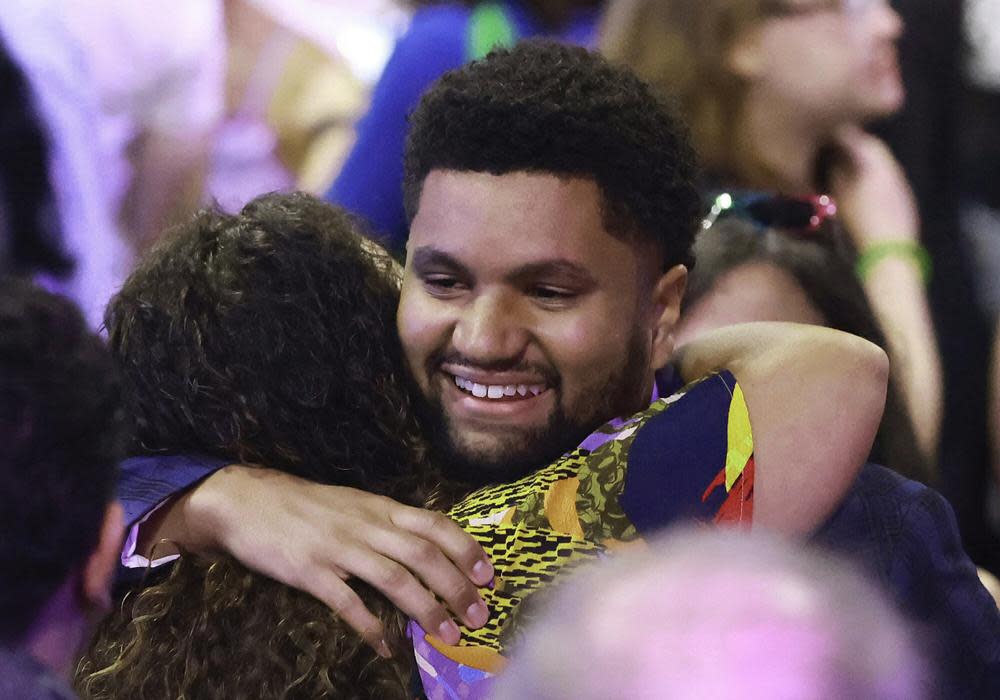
518,218
541,188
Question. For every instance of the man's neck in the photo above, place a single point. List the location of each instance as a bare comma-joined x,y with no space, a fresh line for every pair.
58,632
778,148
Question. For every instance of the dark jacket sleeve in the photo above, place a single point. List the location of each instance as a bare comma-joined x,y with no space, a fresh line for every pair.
148,481
939,585
906,537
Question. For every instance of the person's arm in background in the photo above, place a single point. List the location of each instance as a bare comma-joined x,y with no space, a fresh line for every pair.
371,181
879,213
171,154
168,175
815,398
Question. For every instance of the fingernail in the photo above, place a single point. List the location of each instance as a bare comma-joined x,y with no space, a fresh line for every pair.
483,572
449,633
477,614
383,649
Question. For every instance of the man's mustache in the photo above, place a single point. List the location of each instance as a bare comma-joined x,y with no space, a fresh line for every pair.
455,359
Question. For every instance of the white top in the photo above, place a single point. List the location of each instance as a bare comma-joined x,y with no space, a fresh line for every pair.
157,66
36,34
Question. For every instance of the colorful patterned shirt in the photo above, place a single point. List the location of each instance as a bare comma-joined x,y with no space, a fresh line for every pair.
689,455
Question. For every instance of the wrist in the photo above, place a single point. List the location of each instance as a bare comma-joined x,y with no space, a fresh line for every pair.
208,507
909,251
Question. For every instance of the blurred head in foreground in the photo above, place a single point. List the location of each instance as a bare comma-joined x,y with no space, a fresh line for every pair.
714,614
61,436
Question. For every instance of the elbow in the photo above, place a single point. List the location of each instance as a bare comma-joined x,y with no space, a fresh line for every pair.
867,388
873,361
867,368
875,364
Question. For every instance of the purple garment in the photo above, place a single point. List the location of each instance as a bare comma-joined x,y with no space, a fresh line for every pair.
24,678
443,679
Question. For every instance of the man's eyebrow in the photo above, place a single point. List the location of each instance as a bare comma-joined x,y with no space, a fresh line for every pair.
425,257
555,267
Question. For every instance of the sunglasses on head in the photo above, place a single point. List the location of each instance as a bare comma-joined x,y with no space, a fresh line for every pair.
804,215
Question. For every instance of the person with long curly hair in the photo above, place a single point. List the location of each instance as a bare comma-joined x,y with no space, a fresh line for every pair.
263,337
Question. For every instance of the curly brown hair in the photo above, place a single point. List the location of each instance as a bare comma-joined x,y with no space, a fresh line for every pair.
215,630
267,336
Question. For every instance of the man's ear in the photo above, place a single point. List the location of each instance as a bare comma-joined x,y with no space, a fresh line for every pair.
100,567
667,294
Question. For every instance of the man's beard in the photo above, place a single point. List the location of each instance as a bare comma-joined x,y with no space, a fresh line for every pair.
525,452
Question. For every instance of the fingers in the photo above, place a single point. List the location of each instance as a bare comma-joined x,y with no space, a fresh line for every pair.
456,544
437,572
342,599
401,587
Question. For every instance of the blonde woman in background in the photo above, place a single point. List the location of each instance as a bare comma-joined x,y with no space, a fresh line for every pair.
776,93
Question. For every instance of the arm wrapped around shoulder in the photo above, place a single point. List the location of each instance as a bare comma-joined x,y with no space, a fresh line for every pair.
815,398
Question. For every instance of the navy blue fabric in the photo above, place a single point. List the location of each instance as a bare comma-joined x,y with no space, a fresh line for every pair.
371,181
679,453
906,537
147,481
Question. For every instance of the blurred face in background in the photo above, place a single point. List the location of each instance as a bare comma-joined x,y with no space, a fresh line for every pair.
753,291
830,60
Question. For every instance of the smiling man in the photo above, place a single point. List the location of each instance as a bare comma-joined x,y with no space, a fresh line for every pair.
521,354
552,208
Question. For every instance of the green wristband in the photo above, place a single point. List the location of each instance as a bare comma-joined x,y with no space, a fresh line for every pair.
911,251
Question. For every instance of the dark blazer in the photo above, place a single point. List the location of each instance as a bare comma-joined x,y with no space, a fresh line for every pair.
905,536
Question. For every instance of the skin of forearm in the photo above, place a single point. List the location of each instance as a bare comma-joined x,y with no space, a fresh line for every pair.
191,520
815,397
168,176
899,300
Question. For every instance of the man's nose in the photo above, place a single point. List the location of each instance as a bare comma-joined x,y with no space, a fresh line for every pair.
490,331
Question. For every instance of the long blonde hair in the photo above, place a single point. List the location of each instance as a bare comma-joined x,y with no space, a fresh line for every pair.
681,48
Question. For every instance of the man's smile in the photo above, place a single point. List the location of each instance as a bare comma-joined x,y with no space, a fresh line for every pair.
508,397
498,392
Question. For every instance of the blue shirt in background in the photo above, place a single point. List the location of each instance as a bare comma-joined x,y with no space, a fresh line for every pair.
371,181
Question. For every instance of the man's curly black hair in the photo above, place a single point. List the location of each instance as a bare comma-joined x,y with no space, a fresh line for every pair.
547,108
61,436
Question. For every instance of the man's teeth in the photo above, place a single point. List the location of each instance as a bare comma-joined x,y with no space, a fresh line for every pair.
498,391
